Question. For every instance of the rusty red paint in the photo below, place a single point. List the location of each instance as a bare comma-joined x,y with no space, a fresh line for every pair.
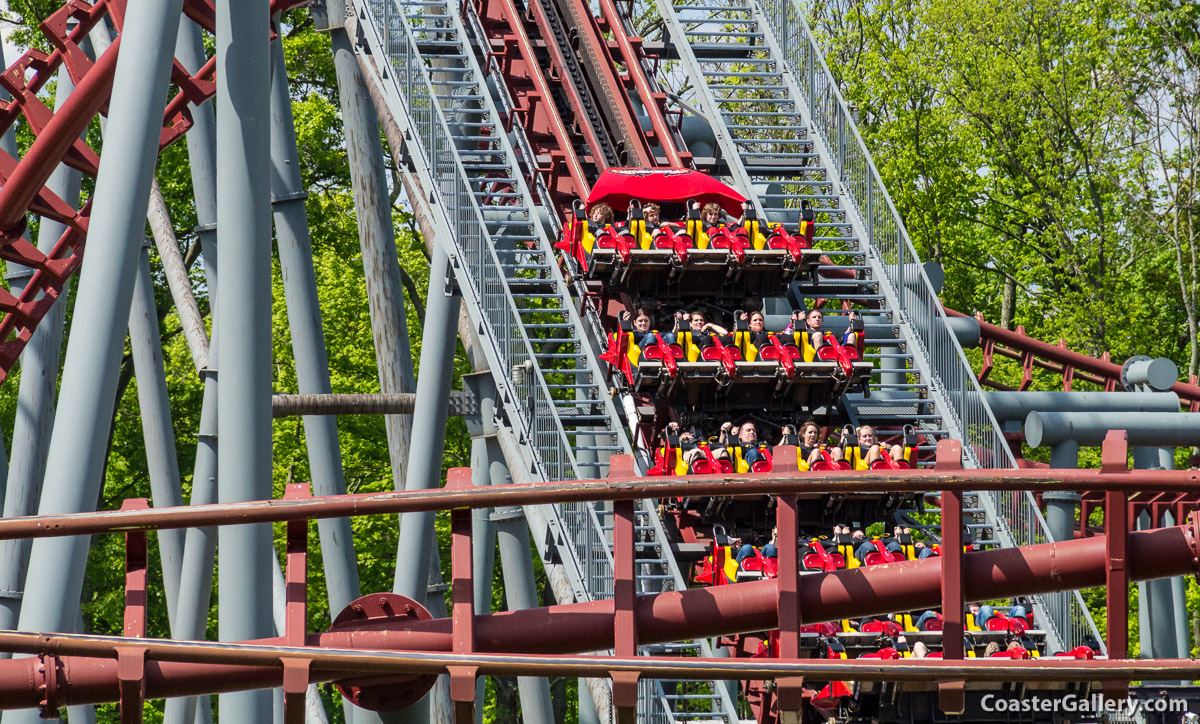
621,487
387,622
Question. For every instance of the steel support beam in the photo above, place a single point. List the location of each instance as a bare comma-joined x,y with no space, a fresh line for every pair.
1089,428
433,395
377,238
36,393
244,325
158,432
308,338
75,460
200,544
1016,406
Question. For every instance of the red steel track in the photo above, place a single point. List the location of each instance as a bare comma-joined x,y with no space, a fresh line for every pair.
385,633
1067,364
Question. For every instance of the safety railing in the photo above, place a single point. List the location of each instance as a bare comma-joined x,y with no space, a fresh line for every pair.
1016,516
916,299
586,535
484,271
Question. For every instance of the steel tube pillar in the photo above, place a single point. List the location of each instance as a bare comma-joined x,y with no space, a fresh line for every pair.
244,398
200,544
485,466
308,339
417,541
516,557
433,395
1061,504
157,429
1158,619
35,397
389,325
74,470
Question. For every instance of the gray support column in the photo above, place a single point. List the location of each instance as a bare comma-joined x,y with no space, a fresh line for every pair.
1060,504
483,547
35,397
893,373
308,341
75,460
516,560
1156,599
433,396
418,541
389,326
308,338
200,544
244,324
482,427
157,429
587,708
1183,641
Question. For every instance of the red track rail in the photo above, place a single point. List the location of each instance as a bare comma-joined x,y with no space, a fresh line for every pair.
1069,365
57,141
386,634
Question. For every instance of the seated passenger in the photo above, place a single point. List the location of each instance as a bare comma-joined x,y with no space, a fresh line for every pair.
986,612
702,331
748,439
712,215
810,444
869,447
600,216
652,212
925,618
643,329
890,544
769,550
923,550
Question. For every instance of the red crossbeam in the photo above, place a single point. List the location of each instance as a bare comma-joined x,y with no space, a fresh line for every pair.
191,668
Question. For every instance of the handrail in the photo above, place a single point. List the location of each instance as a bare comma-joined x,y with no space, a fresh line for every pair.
915,299
916,302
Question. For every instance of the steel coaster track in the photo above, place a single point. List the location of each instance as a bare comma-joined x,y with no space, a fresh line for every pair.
1016,518
45,274
427,49
751,89
591,528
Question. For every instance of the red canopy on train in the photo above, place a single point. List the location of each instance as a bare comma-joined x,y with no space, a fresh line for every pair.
617,186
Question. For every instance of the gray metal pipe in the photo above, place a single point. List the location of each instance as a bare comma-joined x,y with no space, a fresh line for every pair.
1089,428
244,397
433,395
1142,372
200,544
389,324
158,432
1009,406
308,340
516,558
36,393
75,460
